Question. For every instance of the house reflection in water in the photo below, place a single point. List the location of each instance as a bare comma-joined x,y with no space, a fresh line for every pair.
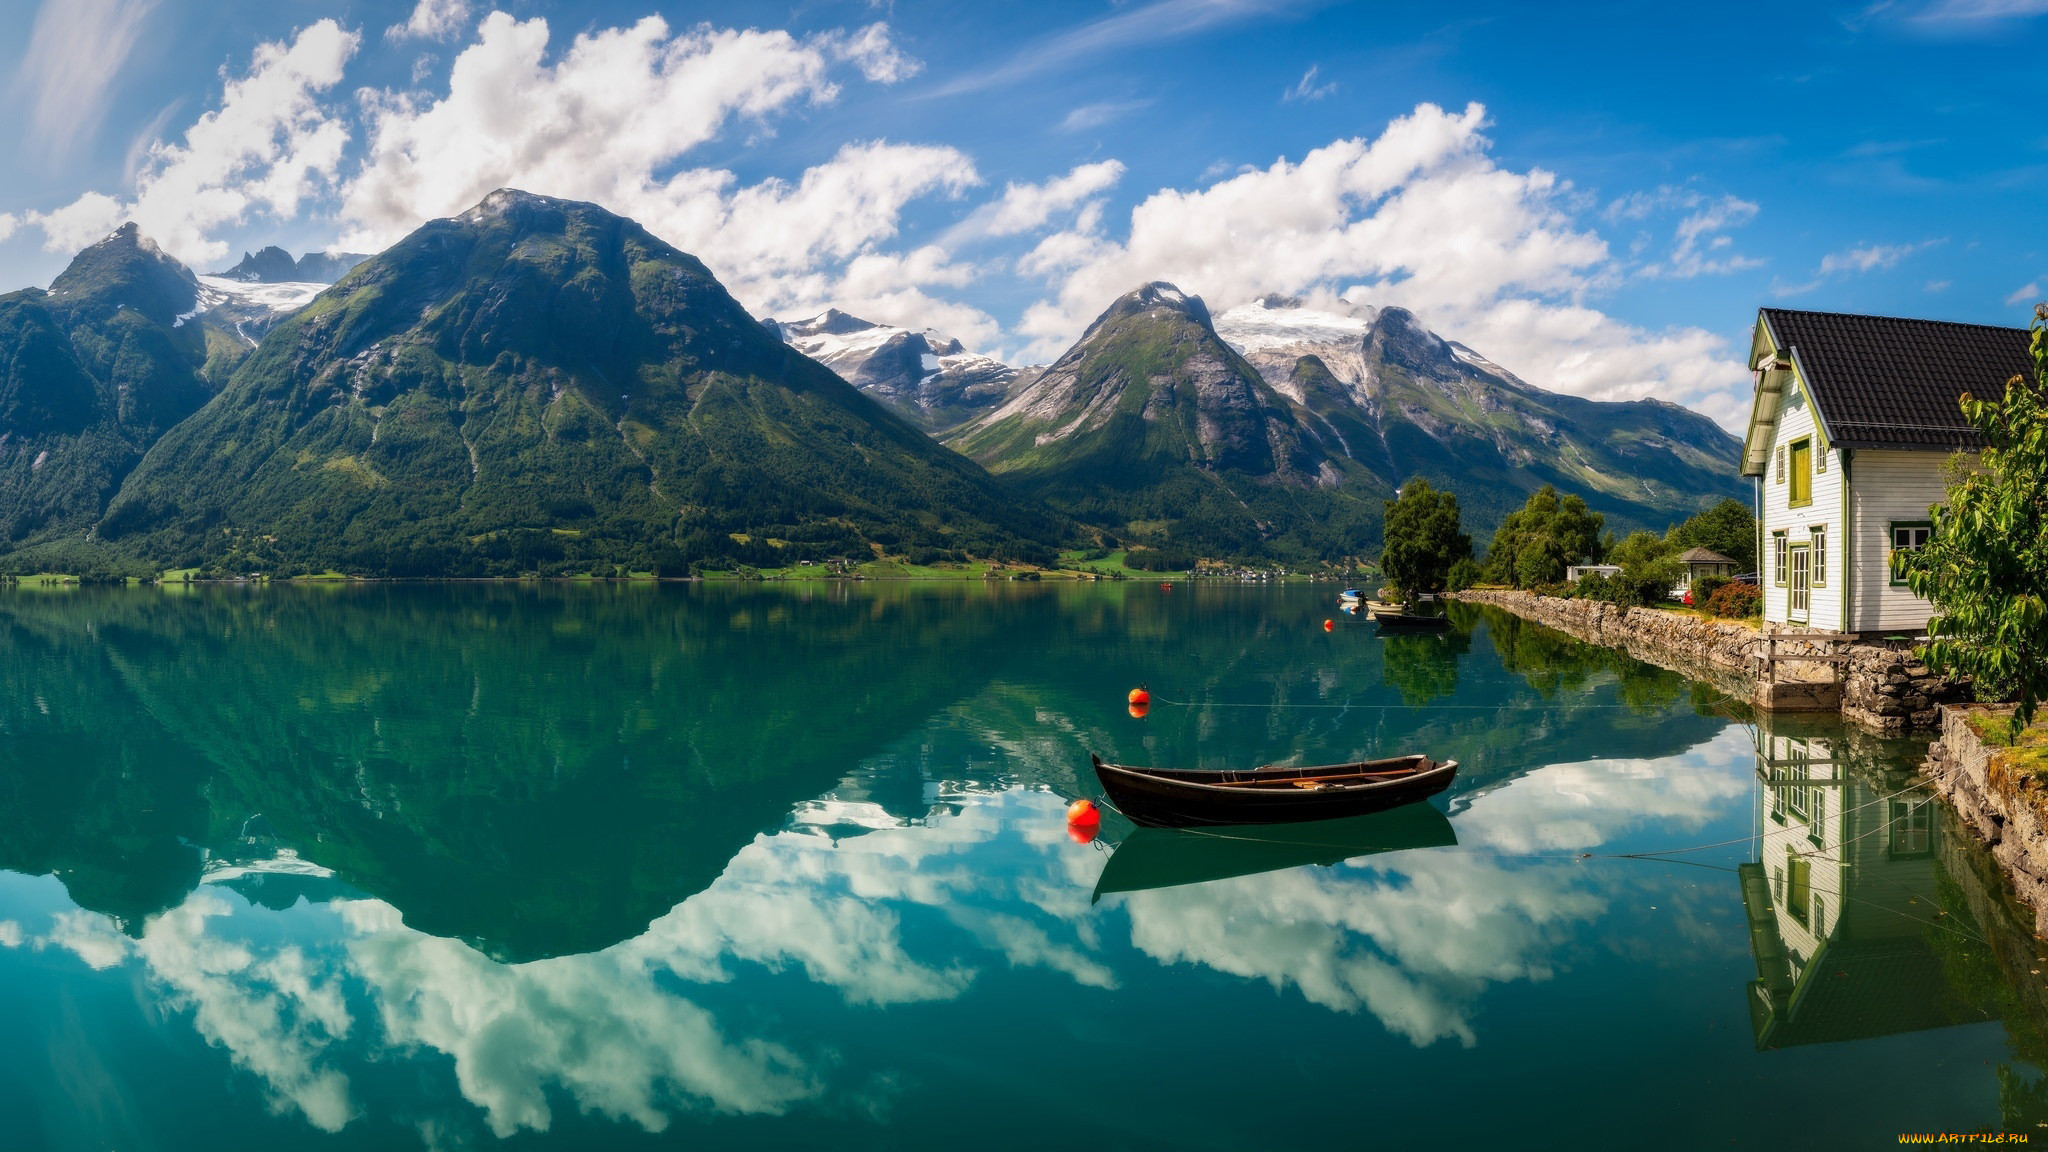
1842,898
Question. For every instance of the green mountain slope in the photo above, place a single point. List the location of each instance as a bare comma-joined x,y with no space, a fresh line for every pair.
92,372
1155,429
541,385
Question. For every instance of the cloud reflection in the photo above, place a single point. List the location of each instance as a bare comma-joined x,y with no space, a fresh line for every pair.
886,911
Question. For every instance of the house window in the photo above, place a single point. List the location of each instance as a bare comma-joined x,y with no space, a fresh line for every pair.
1799,886
1907,535
1778,546
1820,460
1819,535
1912,828
1781,463
1802,473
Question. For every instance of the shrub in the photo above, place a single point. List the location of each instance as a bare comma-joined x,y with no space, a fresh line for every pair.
1464,574
1703,589
1735,601
1593,586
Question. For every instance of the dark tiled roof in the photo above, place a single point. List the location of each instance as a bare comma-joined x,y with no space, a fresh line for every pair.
1882,381
1704,556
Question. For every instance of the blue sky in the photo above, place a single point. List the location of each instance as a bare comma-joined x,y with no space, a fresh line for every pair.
1596,196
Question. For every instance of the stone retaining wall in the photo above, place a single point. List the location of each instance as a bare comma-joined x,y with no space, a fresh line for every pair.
2004,812
1880,687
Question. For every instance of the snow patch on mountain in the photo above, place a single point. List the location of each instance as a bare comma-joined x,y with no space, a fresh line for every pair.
1264,325
923,374
247,308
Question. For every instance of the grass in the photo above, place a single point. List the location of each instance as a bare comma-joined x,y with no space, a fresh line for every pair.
2029,757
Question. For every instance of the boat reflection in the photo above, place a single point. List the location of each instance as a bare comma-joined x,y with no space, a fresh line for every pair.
1169,857
1846,921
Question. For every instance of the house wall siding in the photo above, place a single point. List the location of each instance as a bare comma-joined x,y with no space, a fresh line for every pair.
1827,595
1887,486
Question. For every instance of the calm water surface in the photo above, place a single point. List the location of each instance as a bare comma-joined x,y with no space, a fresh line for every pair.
783,866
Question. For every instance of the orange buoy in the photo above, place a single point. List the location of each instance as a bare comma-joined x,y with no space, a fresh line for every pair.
1139,710
1140,695
1083,833
1082,812
1329,625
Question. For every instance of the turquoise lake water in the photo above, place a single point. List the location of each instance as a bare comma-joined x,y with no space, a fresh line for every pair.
599,866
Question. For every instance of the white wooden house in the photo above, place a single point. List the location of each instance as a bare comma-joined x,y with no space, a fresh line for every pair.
1853,420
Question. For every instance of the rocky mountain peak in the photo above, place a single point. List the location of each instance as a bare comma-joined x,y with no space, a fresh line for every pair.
1151,297
274,265
1397,337
128,270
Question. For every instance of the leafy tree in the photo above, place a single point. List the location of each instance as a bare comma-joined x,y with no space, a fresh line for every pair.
1423,538
1985,565
1536,542
1464,574
1727,528
1641,548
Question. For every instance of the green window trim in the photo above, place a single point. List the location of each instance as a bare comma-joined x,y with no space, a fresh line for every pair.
1779,557
1818,537
1895,550
1800,467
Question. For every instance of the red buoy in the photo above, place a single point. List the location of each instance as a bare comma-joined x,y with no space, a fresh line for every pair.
1139,710
1329,625
1082,812
1140,696
1083,833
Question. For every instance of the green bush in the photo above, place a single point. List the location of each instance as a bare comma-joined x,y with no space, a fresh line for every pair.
1464,574
1735,601
1703,589
1592,586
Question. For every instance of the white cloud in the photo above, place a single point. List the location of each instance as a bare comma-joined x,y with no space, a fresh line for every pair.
1870,258
1702,249
432,20
1096,115
1856,261
1979,11
877,57
1027,207
595,125
76,52
267,146
608,121
1143,26
2025,294
8,223
10,934
1306,89
1420,217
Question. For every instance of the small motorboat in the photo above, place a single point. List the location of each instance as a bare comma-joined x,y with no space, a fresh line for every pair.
1168,857
1184,798
1348,596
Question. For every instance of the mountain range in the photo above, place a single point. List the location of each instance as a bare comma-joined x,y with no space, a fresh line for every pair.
540,385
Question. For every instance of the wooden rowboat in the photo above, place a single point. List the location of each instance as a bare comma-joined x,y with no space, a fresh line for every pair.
1182,798
1395,620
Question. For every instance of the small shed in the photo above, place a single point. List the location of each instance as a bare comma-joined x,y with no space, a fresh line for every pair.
1705,562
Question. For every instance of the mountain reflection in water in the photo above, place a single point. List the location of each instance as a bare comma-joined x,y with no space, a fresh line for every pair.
442,866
